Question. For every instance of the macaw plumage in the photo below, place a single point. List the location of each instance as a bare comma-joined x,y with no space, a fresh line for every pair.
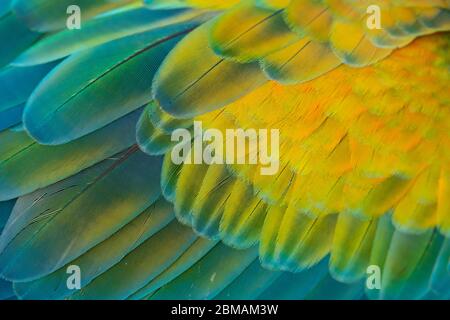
87,178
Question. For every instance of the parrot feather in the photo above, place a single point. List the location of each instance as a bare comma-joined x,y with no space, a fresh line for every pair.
247,32
218,268
103,256
99,31
57,114
33,236
49,15
182,78
46,165
139,266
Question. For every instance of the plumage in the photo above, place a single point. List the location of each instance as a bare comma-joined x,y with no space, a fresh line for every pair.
30,226
101,30
86,138
53,116
48,15
52,164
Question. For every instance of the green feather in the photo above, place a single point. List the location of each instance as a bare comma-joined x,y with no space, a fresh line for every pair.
142,265
13,43
103,256
99,31
92,88
212,274
4,7
6,290
53,226
11,117
151,139
194,253
16,84
46,165
50,15
296,285
5,210
252,282
193,80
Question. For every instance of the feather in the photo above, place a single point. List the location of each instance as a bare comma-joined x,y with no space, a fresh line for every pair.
103,256
300,62
158,4
119,75
310,18
86,209
218,269
419,282
48,15
13,43
269,234
46,165
330,289
151,139
380,247
443,208
210,201
4,7
251,283
188,258
6,290
164,121
353,47
406,251
247,32
5,210
416,212
11,117
352,246
189,180
184,78
440,277
99,31
169,177
243,217
140,266
302,240
290,286
17,84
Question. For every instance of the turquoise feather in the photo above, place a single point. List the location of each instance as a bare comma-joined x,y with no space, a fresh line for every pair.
119,74
251,283
140,267
189,257
50,15
50,228
330,289
13,43
6,290
283,287
5,5
178,88
11,116
17,84
220,267
150,139
46,165
102,257
5,210
99,31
